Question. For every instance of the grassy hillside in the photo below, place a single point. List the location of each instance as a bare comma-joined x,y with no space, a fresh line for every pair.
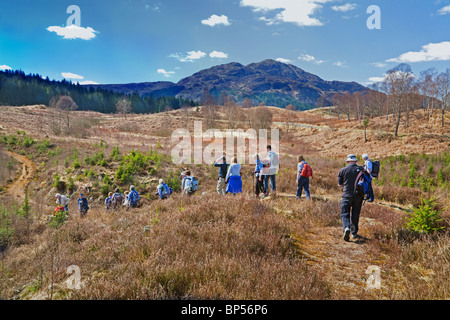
206,246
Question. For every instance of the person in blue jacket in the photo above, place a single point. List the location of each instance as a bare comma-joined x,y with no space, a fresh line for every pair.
133,198
83,205
259,185
163,190
368,165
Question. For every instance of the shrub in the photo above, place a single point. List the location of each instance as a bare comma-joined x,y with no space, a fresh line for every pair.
28,142
58,183
425,219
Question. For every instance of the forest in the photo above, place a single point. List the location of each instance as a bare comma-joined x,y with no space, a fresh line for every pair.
19,89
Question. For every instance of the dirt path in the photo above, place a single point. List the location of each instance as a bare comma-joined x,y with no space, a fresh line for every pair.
346,266
19,186
343,264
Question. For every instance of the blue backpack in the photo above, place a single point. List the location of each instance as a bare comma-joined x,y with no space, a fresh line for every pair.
193,185
133,197
165,191
362,183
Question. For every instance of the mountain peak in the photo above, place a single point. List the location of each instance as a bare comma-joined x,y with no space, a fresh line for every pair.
269,81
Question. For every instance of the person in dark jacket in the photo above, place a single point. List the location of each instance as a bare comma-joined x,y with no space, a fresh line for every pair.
83,205
351,203
223,165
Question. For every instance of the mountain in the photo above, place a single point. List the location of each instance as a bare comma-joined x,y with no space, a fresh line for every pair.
269,81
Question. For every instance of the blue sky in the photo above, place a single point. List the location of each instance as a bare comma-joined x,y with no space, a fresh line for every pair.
166,40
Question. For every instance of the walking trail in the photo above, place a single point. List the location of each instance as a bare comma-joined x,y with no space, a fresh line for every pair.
18,187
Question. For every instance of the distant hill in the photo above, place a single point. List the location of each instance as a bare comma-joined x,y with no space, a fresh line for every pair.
269,81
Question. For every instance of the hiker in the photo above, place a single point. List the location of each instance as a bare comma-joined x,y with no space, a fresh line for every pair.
272,171
368,165
233,179
223,165
108,201
125,201
133,198
63,202
117,199
351,202
259,167
83,205
189,184
163,190
304,172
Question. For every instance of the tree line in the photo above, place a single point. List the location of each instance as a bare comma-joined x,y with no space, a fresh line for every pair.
398,96
19,89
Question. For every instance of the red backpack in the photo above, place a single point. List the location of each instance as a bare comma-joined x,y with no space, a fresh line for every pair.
307,171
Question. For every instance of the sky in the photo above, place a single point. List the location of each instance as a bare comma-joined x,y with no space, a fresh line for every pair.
131,41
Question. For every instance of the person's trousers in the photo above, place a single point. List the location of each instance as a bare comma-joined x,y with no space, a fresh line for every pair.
303,183
350,212
370,195
221,186
273,184
259,186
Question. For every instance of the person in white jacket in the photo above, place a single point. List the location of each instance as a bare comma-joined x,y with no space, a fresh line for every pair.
63,201
271,173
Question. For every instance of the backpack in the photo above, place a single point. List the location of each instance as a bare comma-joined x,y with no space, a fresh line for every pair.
307,171
133,197
117,198
165,191
193,186
274,159
375,168
363,180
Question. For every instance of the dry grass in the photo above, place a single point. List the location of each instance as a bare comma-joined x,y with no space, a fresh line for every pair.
208,247
239,251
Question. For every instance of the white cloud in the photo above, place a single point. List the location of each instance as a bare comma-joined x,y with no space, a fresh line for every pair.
218,54
215,20
340,64
379,64
74,32
282,60
189,57
345,8
375,79
310,58
298,12
444,10
5,67
167,74
68,75
87,82
430,52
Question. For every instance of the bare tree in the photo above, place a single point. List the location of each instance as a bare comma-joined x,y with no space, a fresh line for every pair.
209,109
426,87
262,117
443,90
399,83
247,103
291,109
186,115
65,105
233,114
123,106
376,99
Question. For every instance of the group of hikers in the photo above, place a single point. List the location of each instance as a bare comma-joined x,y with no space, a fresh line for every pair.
356,182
